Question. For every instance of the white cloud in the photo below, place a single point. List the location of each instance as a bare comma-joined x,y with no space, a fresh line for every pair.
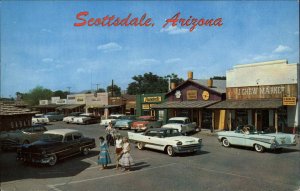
282,48
109,47
173,60
174,30
80,70
258,58
46,30
47,60
144,62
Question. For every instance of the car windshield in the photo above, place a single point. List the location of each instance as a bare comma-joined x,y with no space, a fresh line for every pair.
172,133
51,137
175,121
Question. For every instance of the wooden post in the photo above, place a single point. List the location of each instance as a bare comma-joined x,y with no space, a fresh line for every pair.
276,121
200,119
213,122
229,124
255,119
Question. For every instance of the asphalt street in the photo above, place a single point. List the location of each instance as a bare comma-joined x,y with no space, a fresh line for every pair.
214,168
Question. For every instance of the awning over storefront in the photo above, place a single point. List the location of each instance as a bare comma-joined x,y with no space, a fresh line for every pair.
248,104
50,106
69,106
103,106
183,104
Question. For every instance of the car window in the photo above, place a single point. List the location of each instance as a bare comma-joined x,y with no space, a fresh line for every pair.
77,136
151,133
68,138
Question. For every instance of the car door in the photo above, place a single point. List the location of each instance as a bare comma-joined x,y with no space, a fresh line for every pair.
237,138
154,140
70,145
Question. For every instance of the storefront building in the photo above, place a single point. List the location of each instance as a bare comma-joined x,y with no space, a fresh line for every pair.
191,98
13,118
262,94
146,102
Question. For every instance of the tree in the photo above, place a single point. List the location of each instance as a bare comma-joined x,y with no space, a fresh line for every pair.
151,83
100,90
174,78
61,94
36,94
116,90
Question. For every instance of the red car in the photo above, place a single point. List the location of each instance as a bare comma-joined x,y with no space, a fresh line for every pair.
145,122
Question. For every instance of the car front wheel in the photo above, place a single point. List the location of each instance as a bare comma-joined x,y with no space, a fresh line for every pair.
140,145
259,148
225,142
85,151
53,160
170,151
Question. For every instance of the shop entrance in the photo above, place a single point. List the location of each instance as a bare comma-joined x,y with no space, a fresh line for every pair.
206,119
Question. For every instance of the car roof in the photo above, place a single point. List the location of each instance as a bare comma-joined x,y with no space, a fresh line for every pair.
180,118
61,131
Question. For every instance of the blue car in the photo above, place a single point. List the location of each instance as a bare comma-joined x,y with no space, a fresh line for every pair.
124,122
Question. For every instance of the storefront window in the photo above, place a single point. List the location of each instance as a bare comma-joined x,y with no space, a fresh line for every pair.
241,117
206,119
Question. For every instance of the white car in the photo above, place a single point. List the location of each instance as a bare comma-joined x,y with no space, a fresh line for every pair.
168,140
111,119
69,118
248,136
39,119
85,118
183,124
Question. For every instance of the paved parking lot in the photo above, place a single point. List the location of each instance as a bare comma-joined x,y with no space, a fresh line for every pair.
214,168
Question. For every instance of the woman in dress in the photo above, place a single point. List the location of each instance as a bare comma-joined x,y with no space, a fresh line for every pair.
103,158
126,160
119,144
110,133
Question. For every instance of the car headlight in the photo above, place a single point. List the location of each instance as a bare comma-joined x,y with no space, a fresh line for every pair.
179,143
199,140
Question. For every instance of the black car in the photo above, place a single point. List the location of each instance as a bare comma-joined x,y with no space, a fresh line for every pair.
55,145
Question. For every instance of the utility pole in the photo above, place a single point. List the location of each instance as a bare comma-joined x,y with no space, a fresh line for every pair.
112,88
69,89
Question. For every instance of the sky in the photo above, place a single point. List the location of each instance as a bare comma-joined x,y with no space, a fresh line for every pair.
41,46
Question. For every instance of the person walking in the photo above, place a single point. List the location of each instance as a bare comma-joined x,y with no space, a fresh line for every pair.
119,144
110,132
126,160
103,158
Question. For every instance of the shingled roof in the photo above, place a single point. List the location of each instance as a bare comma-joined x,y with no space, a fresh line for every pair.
7,109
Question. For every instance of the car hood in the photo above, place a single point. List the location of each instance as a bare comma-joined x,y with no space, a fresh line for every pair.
40,144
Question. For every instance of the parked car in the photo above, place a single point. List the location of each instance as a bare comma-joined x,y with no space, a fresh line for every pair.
39,119
12,139
111,119
183,124
248,136
54,116
166,139
55,145
85,118
124,122
143,123
70,117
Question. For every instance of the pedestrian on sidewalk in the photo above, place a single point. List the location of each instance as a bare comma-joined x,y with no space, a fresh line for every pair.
126,160
103,158
119,144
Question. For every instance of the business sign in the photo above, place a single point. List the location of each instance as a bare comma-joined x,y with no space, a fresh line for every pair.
262,92
145,106
54,99
71,99
44,102
152,99
61,101
96,101
191,94
289,101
